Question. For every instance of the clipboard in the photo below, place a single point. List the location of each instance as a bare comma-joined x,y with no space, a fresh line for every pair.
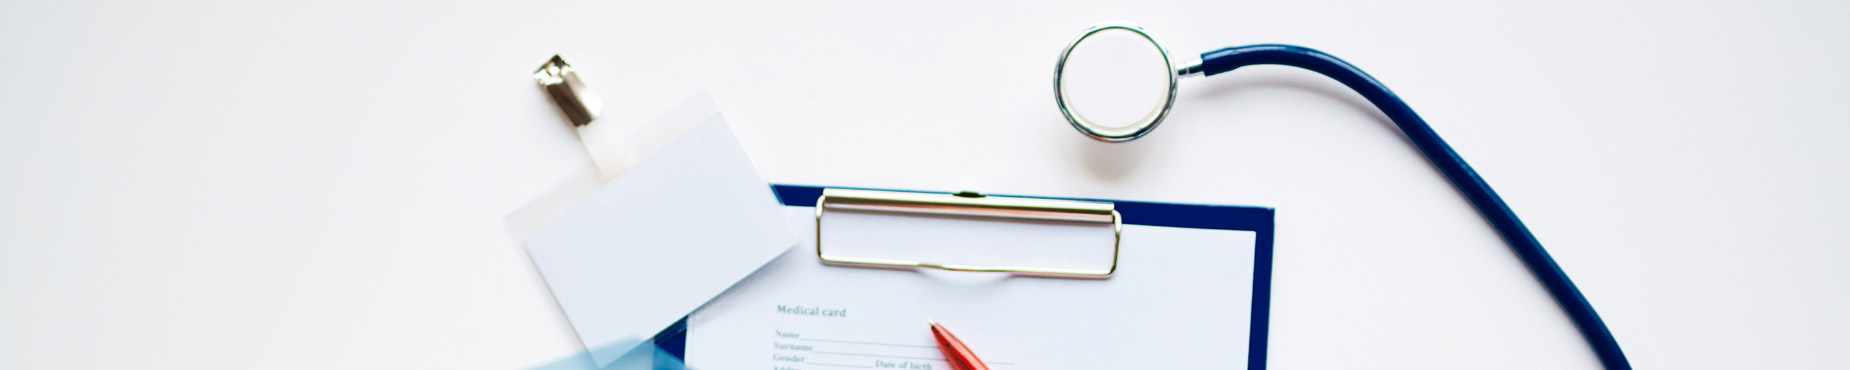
1258,220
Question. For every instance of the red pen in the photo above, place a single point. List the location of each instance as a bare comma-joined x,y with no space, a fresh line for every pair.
955,352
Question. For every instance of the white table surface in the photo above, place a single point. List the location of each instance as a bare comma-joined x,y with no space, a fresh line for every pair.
320,184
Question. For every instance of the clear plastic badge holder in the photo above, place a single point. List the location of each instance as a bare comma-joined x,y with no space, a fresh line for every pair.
613,147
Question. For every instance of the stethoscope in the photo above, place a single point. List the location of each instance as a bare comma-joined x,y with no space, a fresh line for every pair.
1223,60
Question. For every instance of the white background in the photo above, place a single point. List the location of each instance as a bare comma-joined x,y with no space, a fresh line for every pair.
319,184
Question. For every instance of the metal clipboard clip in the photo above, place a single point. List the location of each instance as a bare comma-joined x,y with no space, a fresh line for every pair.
971,206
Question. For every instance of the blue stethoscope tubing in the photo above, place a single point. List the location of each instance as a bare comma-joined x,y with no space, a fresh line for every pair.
1455,169
1504,220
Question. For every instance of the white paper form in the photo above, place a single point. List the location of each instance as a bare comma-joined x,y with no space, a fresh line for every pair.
1181,299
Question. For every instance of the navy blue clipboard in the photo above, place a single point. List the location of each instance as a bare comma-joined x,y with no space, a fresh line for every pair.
1258,220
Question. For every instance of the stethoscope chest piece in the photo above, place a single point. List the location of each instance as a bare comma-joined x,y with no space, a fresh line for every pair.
1097,59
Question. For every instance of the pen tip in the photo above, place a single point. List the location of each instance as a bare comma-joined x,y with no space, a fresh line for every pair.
932,323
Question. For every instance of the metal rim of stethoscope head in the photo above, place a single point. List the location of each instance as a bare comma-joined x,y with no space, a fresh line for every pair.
1095,130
